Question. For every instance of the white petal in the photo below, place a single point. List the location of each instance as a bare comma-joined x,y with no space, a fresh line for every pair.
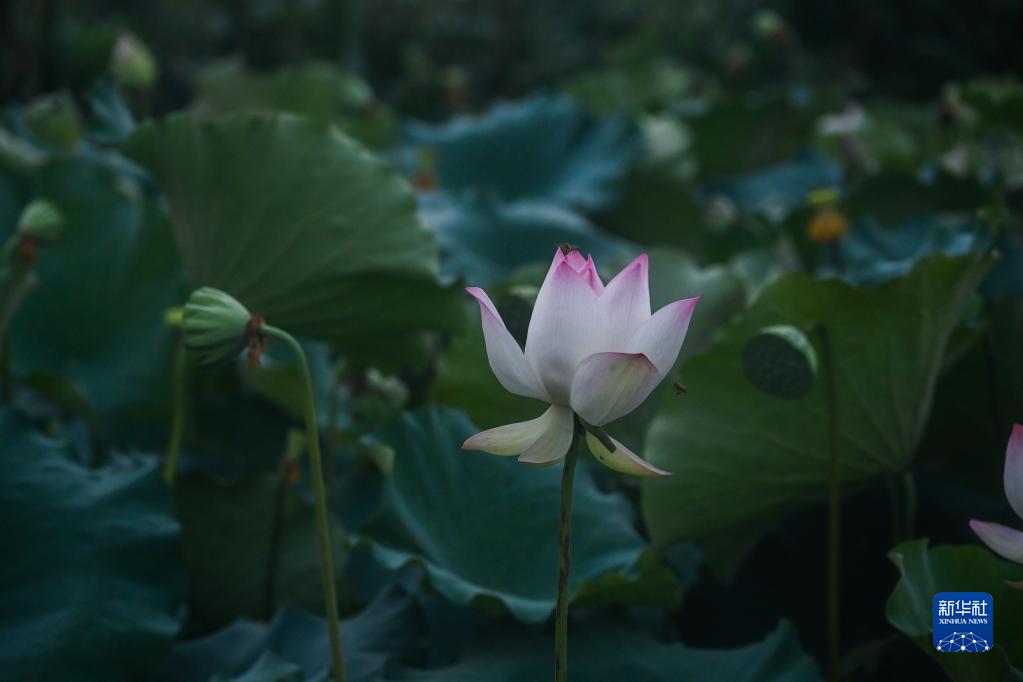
566,327
556,439
622,459
513,439
1003,540
1014,469
506,358
610,385
660,337
626,302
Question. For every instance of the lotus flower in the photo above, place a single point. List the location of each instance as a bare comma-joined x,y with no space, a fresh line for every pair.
592,350
1003,540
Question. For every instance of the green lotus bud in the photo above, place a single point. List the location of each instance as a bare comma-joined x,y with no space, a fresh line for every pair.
40,220
216,326
780,360
132,63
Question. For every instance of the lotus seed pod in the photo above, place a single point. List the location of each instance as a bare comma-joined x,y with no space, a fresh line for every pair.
780,360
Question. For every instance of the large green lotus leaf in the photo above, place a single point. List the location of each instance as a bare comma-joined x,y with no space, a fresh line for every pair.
540,148
925,571
298,222
295,643
97,314
742,457
316,89
92,584
485,527
609,652
319,90
226,539
485,240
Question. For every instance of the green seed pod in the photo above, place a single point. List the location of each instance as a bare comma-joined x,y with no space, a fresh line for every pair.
41,220
215,325
780,360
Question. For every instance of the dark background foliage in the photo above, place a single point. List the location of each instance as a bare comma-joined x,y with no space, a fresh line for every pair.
721,137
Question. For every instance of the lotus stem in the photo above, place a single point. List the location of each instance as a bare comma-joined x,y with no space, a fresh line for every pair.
834,505
565,557
320,499
179,408
7,388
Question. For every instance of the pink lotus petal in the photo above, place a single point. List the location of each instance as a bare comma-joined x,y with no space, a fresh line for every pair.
506,358
1014,470
556,439
1003,540
626,302
512,439
622,459
610,385
576,260
567,325
660,337
592,278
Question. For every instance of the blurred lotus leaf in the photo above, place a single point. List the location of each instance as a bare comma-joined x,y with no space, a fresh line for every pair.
95,588
540,148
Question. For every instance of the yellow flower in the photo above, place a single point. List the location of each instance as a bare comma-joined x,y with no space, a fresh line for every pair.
827,225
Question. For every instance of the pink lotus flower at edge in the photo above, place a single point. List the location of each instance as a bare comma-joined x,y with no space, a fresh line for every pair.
1006,541
591,349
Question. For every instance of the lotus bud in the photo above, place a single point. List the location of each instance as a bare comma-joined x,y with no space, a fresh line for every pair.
40,220
217,327
132,63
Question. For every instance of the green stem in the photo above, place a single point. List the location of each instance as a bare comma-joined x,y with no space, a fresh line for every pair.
5,369
320,498
565,558
180,406
834,505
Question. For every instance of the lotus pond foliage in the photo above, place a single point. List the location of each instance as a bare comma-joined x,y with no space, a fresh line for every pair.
278,279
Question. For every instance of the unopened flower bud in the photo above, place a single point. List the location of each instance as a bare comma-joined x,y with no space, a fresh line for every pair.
40,220
132,63
216,326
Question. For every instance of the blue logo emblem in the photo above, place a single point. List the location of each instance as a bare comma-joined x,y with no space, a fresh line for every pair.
964,622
